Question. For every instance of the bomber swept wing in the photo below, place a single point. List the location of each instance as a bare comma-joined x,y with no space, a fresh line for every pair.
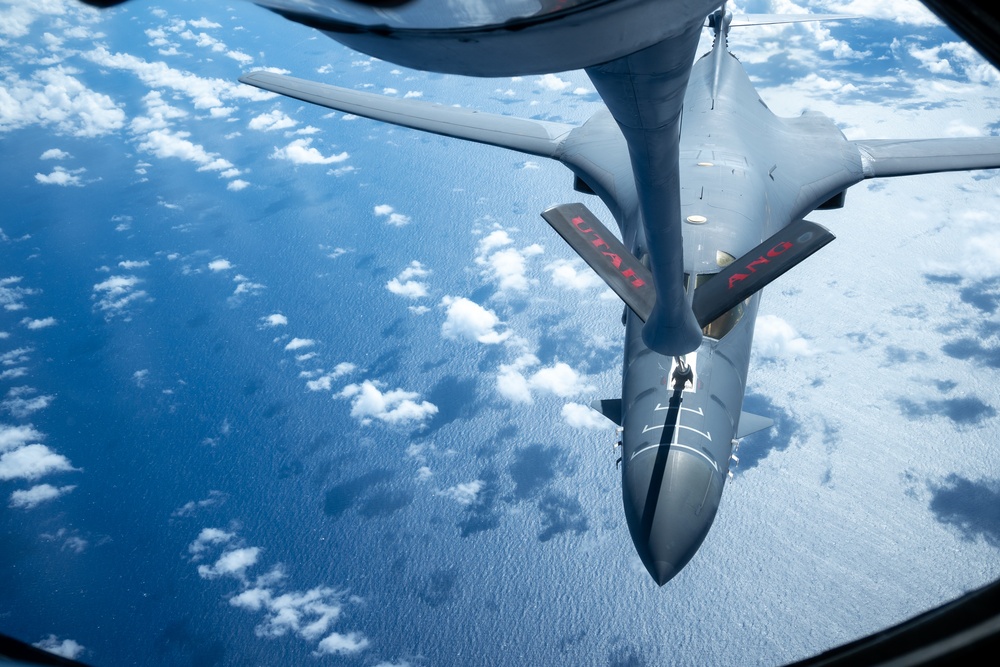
535,137
908,157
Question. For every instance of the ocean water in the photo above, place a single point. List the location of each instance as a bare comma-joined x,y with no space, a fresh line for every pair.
490,532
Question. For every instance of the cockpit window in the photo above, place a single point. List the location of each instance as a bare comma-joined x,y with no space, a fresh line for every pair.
724,323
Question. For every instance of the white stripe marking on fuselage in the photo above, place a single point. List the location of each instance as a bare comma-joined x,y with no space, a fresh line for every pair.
647,428
697,411
680,446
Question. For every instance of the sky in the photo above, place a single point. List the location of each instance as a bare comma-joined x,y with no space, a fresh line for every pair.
286,384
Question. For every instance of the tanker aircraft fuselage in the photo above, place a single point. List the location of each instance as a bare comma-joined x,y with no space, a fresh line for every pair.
708,188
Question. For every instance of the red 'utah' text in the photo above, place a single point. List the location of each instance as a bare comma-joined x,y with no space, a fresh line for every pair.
613,257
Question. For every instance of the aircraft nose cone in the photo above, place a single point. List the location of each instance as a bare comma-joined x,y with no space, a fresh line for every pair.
671,497
662,571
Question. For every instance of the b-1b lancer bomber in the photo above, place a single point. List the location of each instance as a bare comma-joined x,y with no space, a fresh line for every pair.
708,187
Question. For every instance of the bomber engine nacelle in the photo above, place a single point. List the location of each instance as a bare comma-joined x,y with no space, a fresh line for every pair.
500,37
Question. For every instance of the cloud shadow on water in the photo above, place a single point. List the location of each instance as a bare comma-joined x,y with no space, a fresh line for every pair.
490,447
970,349
491,358
183,643
439,588
90,344
533,468
275,410
483,514
943,278
279,206
323,440
971,507
561,513
565,343
428,366
388,362
455,398
625,657
365,262
291,469
198,320
483,294
756,447
984,295
895,355
963,411
345,495
396,329
383,502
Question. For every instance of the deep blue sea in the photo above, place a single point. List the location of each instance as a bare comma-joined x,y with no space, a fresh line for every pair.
227,512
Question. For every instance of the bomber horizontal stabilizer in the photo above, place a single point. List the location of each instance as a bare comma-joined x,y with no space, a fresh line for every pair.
605,254
609,407
751,423
535,137
758,268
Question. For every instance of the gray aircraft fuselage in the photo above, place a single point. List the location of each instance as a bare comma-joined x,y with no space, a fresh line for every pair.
744,174
698,173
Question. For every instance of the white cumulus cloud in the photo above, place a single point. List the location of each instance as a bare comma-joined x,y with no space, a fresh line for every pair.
166,143
308,614
55,154
583,416
299,343
18,405
465,493
67,648
340,644
506,265
232,563
115,294
393,217
31,462
204,93
12,294
775,338
516,383
467,319
324,382
300,151
573,275
275,320
12,437
552,82
37,495
42,323
54,98
207,538
396,406
273,120
407,283
61,176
